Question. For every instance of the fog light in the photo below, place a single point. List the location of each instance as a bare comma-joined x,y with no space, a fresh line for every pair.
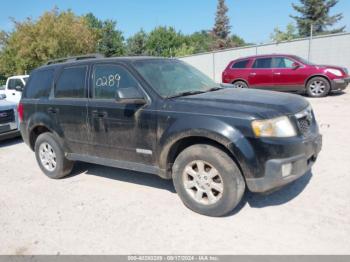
287,170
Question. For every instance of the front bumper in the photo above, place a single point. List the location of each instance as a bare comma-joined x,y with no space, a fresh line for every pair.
340,84
275,175
9,130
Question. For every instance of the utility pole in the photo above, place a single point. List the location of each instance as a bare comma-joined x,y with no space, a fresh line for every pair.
310,41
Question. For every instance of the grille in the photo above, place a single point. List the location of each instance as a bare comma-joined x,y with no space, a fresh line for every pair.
7,116
304,120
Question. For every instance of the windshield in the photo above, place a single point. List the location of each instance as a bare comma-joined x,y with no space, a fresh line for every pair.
171,78
304,61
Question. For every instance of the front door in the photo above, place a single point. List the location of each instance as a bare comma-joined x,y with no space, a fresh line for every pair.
119,131
260,75
285,77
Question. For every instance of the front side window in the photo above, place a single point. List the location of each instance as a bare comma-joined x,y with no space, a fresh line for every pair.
71,83
241,64
263,63
169,77
107,78
283,62
13,83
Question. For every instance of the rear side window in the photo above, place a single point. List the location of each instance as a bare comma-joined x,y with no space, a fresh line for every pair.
241,64
13,83
71,83
39,84
108,78
263,63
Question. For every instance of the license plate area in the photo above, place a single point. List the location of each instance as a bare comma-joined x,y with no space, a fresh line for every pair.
5,128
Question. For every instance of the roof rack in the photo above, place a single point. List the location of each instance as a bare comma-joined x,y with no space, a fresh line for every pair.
74,58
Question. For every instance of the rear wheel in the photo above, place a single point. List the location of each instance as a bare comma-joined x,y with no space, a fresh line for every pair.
318,87
207,180
50,157
240,84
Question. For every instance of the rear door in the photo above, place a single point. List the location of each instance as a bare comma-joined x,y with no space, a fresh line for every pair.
260,75
285,77
119,131
69,107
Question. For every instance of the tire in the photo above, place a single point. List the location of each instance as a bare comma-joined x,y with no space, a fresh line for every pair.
318,87
229,180
50,157
240,84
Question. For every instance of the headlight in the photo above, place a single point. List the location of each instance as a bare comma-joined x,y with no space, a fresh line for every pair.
335,72
277,127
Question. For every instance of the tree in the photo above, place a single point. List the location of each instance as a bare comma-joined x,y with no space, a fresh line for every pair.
137,44
289,34
316,12
222,23
164,41
55,34
110,41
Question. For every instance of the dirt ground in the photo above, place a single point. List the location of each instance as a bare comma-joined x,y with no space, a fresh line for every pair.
101,210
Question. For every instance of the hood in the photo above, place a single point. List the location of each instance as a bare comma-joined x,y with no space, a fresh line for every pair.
331,67
6,105
242,103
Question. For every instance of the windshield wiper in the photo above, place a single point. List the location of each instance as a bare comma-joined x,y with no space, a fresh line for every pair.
215,89
187,93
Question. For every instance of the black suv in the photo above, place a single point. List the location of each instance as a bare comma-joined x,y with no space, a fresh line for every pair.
164,117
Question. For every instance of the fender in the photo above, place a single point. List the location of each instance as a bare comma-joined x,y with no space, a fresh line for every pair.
41,119
211,128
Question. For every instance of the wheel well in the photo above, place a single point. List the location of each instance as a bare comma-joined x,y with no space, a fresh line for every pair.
322,76
242,80
37,131
184,143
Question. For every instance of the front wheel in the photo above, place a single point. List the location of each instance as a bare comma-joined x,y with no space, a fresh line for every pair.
207,180
318,87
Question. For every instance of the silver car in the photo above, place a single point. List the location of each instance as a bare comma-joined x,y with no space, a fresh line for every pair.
9,124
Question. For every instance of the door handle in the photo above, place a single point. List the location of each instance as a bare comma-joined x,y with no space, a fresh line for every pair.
277,73
13,94
253,74
99,114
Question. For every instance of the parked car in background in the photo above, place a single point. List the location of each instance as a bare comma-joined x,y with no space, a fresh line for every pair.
14,87
164,117
9,125
285,73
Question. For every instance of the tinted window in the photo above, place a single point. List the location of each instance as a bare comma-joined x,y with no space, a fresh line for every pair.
282,62
71,83
263,63
39,84
241,64
13,83
108,78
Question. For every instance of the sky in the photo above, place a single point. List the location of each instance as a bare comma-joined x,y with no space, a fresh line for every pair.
253,20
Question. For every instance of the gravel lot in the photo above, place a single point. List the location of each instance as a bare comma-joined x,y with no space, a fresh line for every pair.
101,210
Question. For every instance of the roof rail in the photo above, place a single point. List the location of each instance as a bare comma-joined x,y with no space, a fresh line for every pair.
74,58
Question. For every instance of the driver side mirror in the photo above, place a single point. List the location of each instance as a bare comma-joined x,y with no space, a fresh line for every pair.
130,95
19,88
2,96
295,65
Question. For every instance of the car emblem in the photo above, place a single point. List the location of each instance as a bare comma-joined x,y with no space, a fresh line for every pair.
3,114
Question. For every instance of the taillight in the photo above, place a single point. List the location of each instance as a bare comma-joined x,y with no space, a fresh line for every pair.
20,112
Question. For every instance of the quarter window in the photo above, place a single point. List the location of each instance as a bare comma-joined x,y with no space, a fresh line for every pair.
282,62
263,63
71,83
39,85
241,64
108,78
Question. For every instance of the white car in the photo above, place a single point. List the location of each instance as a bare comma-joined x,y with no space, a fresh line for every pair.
14,87
9,124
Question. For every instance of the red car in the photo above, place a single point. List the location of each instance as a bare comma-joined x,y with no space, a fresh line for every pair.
285,73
